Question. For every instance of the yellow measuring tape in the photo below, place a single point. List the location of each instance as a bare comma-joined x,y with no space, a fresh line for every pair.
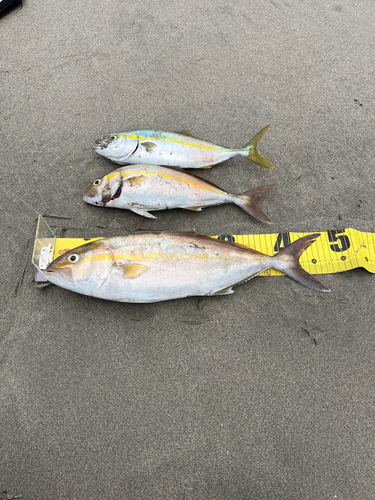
335,251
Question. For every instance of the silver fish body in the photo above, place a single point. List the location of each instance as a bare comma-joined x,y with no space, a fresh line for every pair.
169,265
182,150
146,188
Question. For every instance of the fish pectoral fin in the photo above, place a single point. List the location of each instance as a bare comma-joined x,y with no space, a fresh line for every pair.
136,180
132,270
196,209
144,213
149,146
224,291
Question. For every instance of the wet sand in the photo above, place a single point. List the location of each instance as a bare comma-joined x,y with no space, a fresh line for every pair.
264,394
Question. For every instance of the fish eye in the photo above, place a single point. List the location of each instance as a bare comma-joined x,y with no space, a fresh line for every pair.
113,137
97,182
73,258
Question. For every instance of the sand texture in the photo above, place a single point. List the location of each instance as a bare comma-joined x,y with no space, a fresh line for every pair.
266,394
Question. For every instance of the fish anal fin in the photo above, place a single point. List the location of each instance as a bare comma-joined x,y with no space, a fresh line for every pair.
195,209
144,213
225,291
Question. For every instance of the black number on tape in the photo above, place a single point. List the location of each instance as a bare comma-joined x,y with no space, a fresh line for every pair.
283,240
338,236
226,237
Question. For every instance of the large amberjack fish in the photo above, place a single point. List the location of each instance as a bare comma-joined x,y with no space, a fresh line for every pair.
147,188
173,149
160,266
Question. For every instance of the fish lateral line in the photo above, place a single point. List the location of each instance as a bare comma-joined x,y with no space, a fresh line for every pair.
132,258
166,176
143,139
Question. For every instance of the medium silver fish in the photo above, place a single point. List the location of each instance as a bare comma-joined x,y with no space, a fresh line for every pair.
173,149
146,188
170,265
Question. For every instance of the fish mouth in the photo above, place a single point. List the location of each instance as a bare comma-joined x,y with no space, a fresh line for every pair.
100,144
89,200
64,274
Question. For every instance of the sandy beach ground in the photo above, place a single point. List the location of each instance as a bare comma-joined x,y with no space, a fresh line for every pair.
264,394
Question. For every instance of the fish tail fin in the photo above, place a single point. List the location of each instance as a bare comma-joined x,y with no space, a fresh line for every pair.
252,152
247,202
286,261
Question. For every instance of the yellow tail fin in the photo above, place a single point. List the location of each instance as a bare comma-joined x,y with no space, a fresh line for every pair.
253,154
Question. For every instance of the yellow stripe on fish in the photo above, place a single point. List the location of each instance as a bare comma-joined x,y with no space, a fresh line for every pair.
152,256
162,174
170,140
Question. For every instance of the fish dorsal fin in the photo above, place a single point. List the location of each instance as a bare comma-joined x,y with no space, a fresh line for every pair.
132,270
185,232
186,132
179,169
206,181
231,243
191,232
239,245
173,167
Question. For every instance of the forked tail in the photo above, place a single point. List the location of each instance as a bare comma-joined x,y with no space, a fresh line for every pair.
247,202
252,152
286,261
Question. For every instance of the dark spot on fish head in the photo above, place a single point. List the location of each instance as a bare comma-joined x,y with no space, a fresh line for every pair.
106,196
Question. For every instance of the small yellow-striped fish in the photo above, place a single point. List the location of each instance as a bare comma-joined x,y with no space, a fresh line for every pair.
167,148
147,188
169,265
